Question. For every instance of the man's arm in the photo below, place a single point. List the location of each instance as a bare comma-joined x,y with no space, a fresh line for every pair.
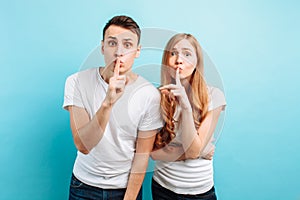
144,145
88,132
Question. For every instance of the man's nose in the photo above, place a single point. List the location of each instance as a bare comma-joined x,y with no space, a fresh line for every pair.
119,51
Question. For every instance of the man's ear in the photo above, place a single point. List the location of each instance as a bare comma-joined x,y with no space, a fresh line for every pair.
138,51
102,47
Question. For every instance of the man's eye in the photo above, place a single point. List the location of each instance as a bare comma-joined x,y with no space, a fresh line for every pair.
127,45
112,43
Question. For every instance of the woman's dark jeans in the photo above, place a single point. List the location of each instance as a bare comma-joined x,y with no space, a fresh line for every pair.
161,193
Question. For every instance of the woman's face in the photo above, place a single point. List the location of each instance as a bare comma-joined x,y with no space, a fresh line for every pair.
182,56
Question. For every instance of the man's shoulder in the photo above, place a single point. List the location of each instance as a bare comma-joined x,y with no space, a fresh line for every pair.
143,90
146,86
83,74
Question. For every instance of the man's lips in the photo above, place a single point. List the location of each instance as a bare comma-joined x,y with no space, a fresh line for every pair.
121,62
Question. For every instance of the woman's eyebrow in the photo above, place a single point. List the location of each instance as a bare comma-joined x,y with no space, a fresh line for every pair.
186,49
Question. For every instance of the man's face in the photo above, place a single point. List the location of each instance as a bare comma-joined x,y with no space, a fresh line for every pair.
120,43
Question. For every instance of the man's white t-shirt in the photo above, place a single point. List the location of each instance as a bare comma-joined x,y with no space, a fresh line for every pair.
189,176
108,164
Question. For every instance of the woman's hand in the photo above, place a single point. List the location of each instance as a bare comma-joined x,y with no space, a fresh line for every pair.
177,91
208,152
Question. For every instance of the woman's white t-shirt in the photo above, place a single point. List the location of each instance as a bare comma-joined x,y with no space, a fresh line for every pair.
189,176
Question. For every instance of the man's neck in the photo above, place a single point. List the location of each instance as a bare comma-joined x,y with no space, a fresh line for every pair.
105,73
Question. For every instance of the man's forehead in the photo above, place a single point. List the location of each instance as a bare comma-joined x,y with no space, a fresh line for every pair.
118,32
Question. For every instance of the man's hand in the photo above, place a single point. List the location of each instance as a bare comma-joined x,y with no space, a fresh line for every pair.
116,85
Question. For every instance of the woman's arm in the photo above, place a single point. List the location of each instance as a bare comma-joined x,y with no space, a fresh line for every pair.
169,153
194,141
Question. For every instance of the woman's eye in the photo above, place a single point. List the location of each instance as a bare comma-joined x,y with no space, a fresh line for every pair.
173,53
187,54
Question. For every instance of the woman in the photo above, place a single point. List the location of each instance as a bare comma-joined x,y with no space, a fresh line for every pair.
190,111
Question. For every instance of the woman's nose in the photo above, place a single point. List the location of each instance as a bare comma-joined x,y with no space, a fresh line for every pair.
178,60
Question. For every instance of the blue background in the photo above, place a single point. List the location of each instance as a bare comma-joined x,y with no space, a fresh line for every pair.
254,44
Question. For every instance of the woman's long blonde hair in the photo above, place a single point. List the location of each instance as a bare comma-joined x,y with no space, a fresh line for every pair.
196,91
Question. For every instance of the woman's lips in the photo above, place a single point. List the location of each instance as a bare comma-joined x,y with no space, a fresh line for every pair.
180,68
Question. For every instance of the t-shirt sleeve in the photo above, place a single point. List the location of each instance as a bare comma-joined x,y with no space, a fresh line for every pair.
72,95
217,99
152,117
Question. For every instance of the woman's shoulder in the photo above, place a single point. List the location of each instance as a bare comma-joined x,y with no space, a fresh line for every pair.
216,97
214,91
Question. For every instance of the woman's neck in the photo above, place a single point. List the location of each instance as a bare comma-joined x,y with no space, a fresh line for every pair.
186,82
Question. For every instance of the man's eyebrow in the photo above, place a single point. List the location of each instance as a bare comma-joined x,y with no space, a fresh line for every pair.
128,39
111,37
115,38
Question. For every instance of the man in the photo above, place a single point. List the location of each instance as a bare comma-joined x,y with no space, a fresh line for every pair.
114,115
